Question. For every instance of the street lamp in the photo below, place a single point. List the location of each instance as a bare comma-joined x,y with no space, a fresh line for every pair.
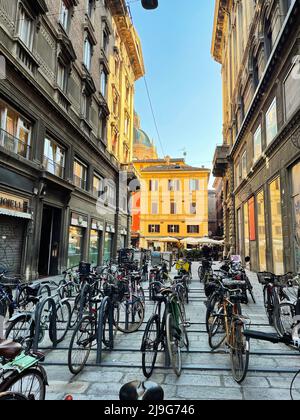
150,4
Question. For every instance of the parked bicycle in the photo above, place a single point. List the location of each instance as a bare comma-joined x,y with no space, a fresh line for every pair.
21,375
166,330
226,324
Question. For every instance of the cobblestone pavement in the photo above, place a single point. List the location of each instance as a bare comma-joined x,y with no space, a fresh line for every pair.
206,375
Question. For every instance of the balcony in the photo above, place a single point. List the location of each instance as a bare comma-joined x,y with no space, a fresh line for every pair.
14,145
79,182
53,167
132,173
220,160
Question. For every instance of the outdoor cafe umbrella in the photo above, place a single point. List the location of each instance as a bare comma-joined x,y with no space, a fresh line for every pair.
190,241
170,240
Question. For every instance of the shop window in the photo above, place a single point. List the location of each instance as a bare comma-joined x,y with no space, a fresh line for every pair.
246,230
276,223
261,231
76,236
252,223
296,204
108,247
95,243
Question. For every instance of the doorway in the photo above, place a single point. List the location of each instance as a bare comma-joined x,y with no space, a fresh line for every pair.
50,242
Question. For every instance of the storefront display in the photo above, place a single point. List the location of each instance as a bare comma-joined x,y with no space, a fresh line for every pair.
296,205
77,232
276,222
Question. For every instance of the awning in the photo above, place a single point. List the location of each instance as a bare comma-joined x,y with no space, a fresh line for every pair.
13,213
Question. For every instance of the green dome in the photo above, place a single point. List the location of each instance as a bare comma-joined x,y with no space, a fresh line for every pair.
140,137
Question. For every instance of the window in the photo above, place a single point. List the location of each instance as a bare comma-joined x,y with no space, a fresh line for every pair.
194,185
80,175
127,125
105,41
15,131
292,90
257,145
61,77
271,122
54,158
296,206
193,208
25,28
173,209
261,231
103,83
174,185
103,128
90,9
276,223
64,16
115,144
97,185
94,251
173,228
154,228
193,229
87,57
111,194
244,165
154,208
75,250
86,105
153,185
239,232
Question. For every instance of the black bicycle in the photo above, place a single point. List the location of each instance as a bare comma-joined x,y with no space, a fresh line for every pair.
165,330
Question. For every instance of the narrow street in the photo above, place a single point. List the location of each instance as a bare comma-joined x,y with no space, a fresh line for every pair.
205,375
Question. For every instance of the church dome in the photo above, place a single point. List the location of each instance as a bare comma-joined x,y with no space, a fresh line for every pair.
140,137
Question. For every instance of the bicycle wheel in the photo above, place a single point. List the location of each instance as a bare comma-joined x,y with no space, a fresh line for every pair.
75,312
173,344
132,314
212,308
217,329
12,396
81,343
141,295
239,351
21,330
150,345
184,342
63,319
295,388
29,383
284,318
250,288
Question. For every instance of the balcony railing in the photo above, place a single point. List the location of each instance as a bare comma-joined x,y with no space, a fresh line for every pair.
53,167
79,182
14,145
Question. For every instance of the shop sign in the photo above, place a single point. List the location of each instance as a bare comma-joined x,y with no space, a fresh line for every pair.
11,202
79,220
96,225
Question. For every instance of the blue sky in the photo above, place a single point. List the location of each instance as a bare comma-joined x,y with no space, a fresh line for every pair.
184,81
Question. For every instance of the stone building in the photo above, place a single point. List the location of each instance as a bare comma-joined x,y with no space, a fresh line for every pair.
60,195
258,45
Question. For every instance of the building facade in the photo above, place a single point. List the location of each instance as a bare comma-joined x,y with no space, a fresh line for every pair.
173,202
218,186
258,45
212,213
61,192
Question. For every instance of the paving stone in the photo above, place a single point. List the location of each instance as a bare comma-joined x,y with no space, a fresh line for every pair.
209,393
250,382
68,388
101,390
101,377
266,394
194,380
51,396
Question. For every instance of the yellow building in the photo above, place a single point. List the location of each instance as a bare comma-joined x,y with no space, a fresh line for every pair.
174,201
126,67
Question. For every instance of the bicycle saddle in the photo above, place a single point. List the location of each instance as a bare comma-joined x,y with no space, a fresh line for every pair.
9,349
143,391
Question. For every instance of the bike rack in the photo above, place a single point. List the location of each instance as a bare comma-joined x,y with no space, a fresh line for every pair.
100,330
52,325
